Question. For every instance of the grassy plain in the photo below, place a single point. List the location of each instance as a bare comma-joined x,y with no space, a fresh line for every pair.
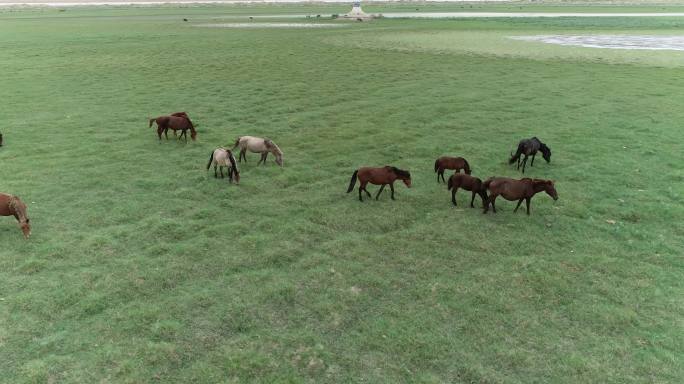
142,267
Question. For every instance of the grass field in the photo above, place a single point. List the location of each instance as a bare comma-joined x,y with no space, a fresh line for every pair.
144,268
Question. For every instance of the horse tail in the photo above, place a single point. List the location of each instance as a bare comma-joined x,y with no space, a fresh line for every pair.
211,159
352,182
152,121
436,165
518,152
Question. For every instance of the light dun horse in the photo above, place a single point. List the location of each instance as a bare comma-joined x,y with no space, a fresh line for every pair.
11,205
378,176
258,145
222,157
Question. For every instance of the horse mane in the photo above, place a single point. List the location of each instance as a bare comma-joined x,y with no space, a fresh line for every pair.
233,163
270,144
401,172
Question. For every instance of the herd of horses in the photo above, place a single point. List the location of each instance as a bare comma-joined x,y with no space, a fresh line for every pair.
221,157
510,189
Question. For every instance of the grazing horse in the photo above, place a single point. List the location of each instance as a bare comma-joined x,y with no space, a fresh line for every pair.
258,145
469,183
529,147
178,121
446,162
11,205
222,157
378,176
511,189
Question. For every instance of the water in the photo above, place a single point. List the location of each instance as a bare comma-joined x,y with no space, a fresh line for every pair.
672,43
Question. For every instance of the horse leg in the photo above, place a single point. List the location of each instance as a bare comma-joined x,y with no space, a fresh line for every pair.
518,206
490,201
473,200
532,162
379,191
442,174
221,169
230,174
524,164
392,189
215,174
527,203
453,196
243,154
362,187
438,175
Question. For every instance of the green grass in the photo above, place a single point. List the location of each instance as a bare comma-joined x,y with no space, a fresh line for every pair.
144,268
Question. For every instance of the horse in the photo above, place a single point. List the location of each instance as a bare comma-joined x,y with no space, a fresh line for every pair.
469,183
177,121
258,145
0,139
11,205
511,189
529,147
378,176
222,157
446,162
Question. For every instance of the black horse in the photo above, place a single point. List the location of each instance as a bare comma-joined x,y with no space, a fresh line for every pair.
529,147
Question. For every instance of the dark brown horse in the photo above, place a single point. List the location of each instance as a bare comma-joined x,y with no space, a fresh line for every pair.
469,183
446,162
177,121
11,205
378,176
511,189
529,147
0,139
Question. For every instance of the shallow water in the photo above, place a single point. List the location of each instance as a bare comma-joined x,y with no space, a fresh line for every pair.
672,43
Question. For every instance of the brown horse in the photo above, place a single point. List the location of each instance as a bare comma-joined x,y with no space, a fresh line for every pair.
469,183
177,121
11,205
446,162
0,139
378,176
511,189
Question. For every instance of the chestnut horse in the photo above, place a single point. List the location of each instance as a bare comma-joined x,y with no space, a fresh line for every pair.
378,176
222,157
511,189
177,121
529,147
11,205
446,162
469,183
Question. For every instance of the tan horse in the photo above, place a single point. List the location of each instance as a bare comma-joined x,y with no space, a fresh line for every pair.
222,157
258,145
11,205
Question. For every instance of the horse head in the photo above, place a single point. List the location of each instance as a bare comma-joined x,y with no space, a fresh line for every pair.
546,152
25,228
549,187
273,148
404,176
